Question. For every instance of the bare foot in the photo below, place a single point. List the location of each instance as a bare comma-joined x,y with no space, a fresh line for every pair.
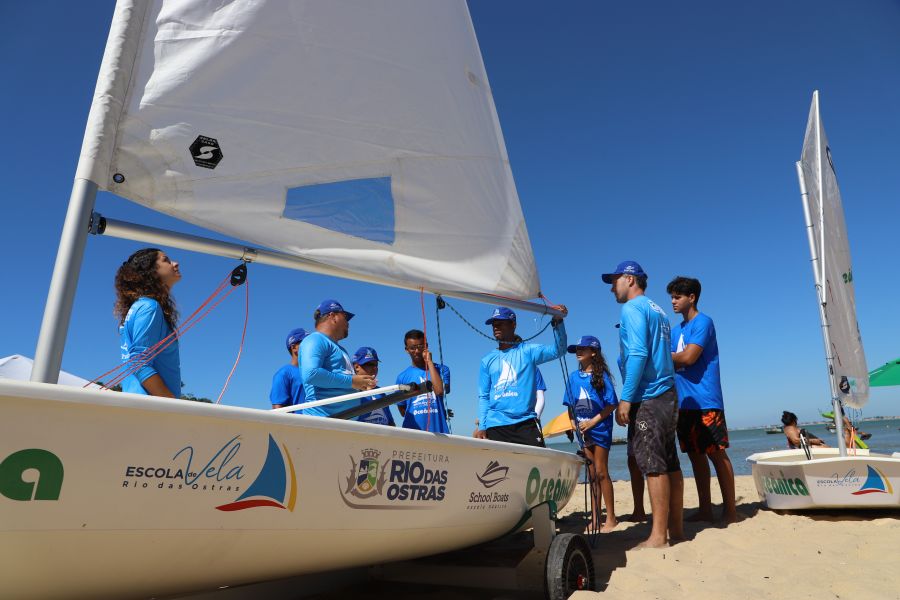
636,517
675,538
608,526
729,518
652,544
700,518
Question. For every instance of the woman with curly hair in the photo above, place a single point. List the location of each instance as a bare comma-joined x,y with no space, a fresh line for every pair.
593,400
146,313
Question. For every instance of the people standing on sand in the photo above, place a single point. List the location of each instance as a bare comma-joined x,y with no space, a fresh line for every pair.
506,381
591,396
287,387
425,412
649,403
702,431
325,366
365,362
147,315
793,432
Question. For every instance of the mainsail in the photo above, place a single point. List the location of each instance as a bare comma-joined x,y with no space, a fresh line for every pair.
834,275
360,134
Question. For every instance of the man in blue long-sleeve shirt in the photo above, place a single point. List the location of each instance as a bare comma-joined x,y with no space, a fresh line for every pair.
648,403
506,383
325,366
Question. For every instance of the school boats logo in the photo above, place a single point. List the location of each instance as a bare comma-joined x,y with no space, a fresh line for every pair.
410,480
270,488
875,483
493,474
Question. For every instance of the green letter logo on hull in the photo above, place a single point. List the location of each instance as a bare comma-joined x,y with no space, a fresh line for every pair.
539,490
48,467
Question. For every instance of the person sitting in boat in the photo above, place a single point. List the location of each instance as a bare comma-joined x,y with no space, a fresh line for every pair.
325,366
592,399
425,412
792,432
147,315
506,383
365,362
287,387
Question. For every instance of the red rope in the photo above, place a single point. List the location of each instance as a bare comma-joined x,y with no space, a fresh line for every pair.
243,337
427,371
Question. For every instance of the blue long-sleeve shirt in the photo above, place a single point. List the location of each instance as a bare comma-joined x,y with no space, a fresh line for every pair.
506,382
645,359
145,326
326,371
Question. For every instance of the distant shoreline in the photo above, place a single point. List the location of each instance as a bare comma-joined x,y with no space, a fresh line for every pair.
819,422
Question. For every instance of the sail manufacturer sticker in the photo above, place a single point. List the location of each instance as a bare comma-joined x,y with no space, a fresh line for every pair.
206,152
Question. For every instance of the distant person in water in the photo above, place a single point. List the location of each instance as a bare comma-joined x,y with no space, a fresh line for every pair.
792,432
506,382
702,431
425,412
287,387
365,362
325,367
147,315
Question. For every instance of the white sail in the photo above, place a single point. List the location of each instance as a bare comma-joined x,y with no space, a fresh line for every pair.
361,134
835,273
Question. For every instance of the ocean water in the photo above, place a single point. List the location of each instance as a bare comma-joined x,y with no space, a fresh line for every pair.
885,440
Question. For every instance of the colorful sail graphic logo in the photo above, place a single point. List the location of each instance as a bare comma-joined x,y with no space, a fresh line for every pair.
271,487
875,483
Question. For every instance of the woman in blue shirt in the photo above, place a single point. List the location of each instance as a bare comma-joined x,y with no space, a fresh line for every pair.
147,315
592,400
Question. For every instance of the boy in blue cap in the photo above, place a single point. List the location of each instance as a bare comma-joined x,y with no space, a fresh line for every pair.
365,362
425,412
649,403
287,387
325,366
506,383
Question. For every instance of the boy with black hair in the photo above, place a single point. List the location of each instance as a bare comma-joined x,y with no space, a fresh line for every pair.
702,431
425,412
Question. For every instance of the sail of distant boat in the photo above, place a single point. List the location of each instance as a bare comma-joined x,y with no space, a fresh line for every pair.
834,274
361,135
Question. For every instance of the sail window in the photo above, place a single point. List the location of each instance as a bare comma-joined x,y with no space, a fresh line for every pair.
363,208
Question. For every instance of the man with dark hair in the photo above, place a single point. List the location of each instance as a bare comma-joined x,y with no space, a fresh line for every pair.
325,366
648,403
702,431
365,362
793,433
507,391
425,412
287,387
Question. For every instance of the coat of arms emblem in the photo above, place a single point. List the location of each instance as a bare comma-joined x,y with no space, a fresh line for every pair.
367,476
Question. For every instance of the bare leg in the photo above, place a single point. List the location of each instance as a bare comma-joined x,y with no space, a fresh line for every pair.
725,475
701,478
676,506
637,491
658,485
601,471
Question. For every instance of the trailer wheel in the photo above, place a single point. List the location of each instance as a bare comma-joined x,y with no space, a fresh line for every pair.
570,567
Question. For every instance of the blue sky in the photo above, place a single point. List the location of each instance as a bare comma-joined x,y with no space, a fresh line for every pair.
655,131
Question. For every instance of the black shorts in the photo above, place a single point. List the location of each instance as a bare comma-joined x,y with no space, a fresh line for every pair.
702,431
651,433
526,433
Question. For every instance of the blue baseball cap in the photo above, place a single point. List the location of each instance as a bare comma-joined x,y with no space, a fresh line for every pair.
628,267
501,313
586,341
295,337
327,307
365,355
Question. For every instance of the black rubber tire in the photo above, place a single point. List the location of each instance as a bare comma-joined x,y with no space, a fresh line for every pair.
570,567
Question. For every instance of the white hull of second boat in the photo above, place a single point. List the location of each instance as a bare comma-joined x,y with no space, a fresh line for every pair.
114,495
787,480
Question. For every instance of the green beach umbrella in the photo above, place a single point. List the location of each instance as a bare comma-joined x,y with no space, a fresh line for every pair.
887,374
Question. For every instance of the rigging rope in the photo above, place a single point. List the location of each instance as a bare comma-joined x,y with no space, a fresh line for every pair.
427,371
243,331
481,333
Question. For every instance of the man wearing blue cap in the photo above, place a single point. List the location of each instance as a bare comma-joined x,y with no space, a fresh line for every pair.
506,383
365,362
287,387
649,403
325,366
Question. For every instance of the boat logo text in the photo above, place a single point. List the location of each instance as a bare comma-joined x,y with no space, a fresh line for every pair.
408,480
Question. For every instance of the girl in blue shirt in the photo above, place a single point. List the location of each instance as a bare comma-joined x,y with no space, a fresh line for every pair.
147,314
592,401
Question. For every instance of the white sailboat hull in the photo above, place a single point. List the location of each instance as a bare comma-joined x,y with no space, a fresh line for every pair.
786,480
114,495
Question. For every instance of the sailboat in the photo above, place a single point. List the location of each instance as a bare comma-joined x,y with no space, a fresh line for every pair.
276,123
819,477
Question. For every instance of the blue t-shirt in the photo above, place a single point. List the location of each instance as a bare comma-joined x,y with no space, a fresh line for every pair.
381,416
426,411
699,386
507,381
645,350
144,327
587,404
287,387
326,372
539,381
